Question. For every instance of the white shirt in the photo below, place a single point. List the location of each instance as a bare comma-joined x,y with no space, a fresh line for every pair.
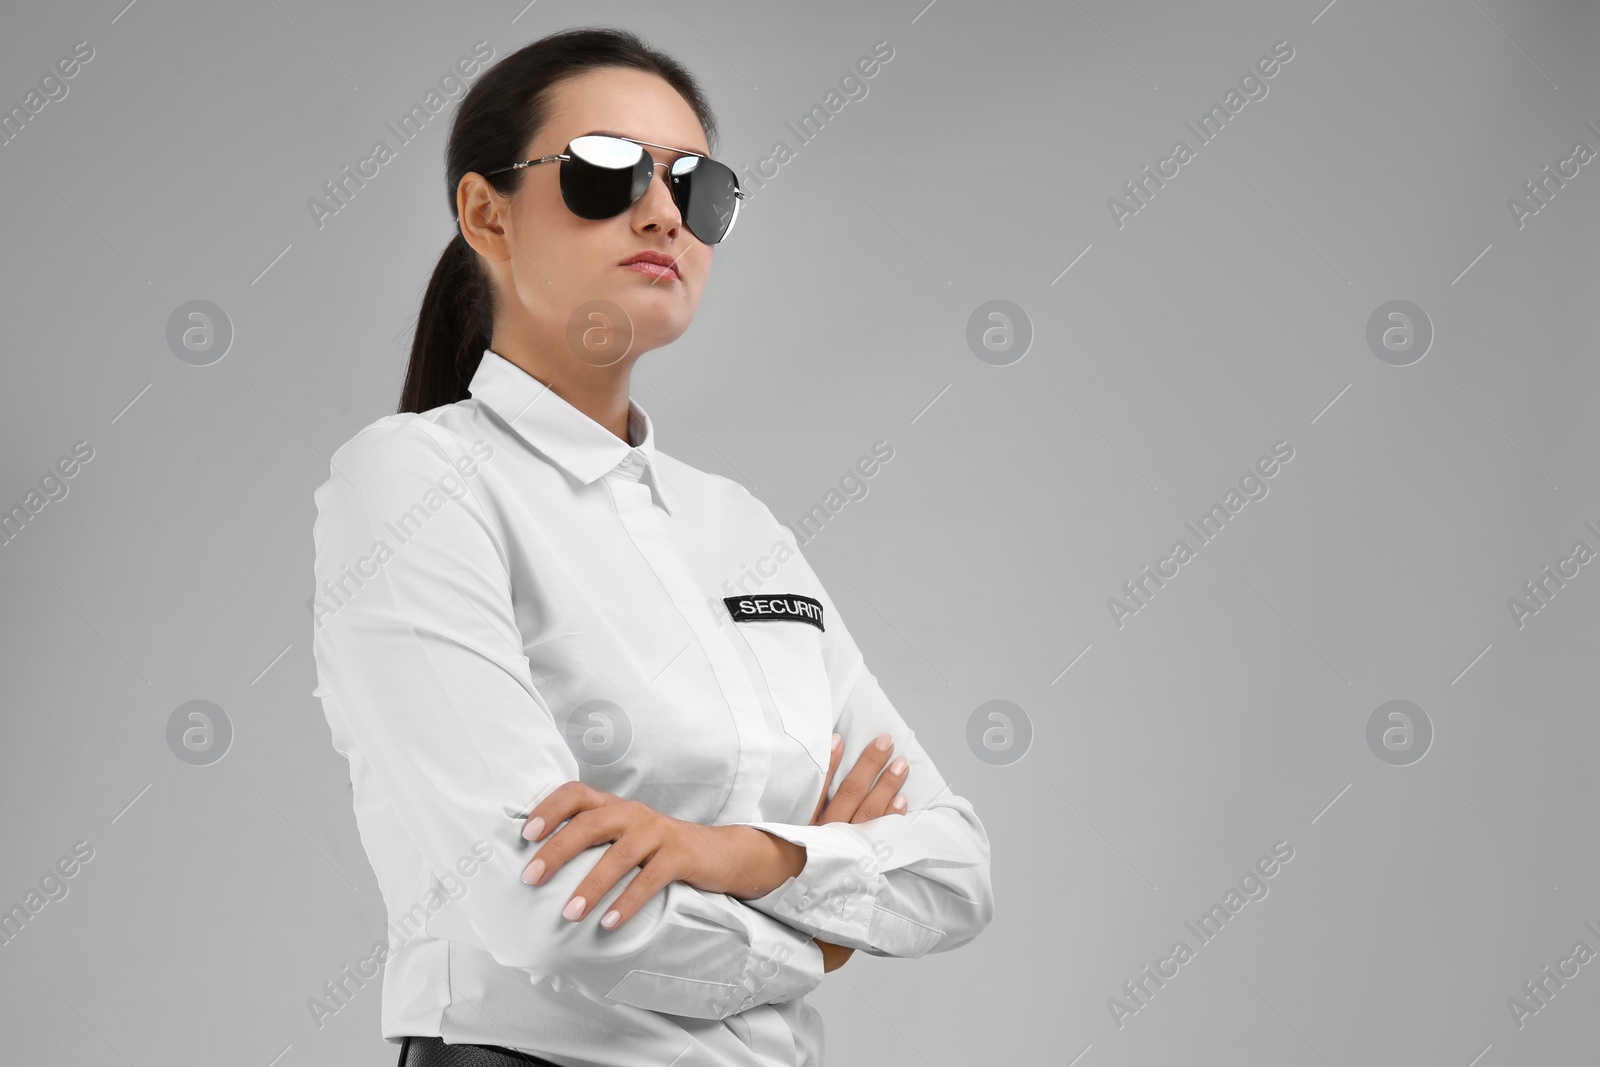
510,597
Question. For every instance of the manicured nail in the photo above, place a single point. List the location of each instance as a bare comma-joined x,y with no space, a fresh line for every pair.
609,919
532,831
898,766
885,743
534,872
900,802
574,908
837,741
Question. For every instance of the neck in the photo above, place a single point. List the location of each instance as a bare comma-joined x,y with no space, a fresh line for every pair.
599,392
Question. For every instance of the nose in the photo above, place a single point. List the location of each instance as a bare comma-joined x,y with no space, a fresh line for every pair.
659,207
666,179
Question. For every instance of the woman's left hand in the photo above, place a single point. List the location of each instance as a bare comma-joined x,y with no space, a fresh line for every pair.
714,859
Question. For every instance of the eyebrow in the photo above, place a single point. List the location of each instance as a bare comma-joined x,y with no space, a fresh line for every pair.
630,137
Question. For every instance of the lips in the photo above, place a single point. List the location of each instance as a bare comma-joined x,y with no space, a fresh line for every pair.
658,264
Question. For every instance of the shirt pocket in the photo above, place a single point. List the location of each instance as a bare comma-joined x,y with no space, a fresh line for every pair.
790,656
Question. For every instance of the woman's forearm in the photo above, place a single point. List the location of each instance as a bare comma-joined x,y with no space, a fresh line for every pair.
764,866
759,862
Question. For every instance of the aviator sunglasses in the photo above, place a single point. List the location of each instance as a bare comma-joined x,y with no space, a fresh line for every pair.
602,175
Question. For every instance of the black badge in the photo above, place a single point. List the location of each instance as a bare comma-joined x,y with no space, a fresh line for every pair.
779,607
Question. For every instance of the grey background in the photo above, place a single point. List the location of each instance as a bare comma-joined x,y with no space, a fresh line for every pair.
1227,315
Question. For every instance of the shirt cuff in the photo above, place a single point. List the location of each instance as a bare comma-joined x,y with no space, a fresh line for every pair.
784,970
834,896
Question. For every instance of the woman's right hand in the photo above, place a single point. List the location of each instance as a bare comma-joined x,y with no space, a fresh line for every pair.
864,794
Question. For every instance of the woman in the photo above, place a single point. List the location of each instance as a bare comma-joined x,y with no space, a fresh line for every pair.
593,785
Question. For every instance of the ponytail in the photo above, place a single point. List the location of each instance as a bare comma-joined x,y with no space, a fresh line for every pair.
453,329
496,120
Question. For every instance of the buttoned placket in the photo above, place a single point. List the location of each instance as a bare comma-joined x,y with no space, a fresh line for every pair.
642,520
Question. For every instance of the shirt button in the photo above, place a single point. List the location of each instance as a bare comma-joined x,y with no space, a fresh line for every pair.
805,902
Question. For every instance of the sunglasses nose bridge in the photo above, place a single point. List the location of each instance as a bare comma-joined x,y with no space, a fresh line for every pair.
667,180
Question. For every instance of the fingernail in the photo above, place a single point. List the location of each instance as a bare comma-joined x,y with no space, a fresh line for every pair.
532,831
837,740
573,909
898,766
534,872
900,801
609,919
885,743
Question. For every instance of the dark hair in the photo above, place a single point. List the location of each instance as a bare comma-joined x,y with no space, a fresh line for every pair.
502,112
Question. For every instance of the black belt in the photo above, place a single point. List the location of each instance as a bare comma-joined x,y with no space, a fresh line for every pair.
433,1052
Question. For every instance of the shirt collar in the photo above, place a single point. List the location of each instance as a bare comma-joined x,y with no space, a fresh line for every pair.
568,437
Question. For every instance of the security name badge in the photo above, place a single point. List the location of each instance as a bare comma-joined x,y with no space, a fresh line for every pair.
778,607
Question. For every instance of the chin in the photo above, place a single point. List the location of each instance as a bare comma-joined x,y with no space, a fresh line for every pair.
661,315
658,333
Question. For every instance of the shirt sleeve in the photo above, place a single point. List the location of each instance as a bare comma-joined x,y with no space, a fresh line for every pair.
898,885
421,670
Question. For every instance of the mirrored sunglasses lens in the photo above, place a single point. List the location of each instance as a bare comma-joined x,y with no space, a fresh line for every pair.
603,176
612,153
704,191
